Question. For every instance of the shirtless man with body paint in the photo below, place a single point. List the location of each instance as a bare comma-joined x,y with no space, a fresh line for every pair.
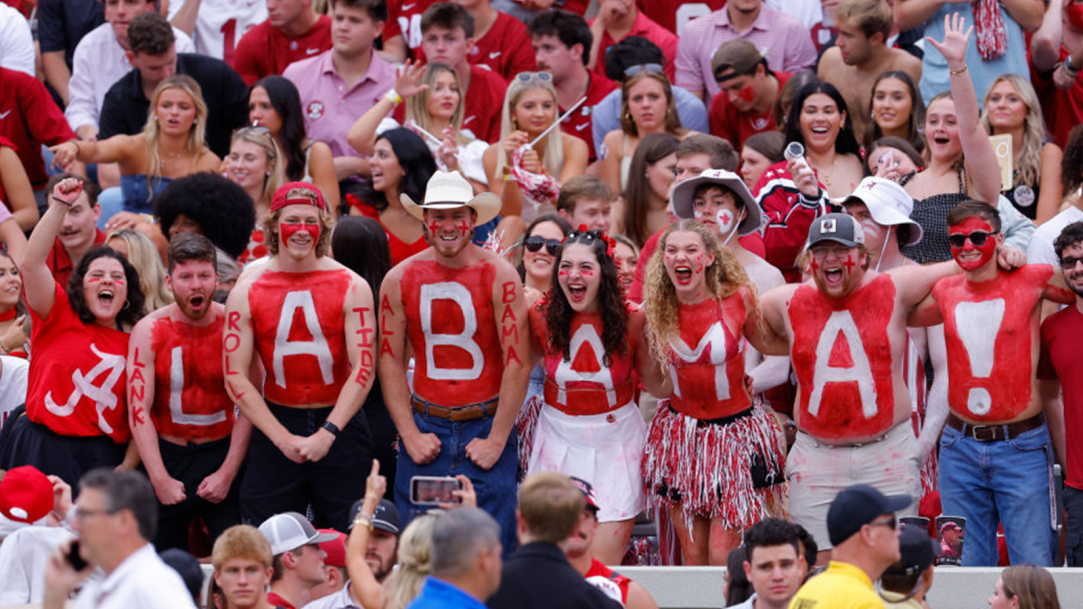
181,416
845,331
995,452
459,310
311,323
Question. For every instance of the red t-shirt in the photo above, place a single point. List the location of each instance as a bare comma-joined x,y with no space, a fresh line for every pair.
452,329
752,243
1062,359
400,250
265,50
585,385
404,18
647,28
505,49
297,320
190,399
613,584
1062,109
707,362
664,12
729,123
77,382
581,122
60,263
6,143
484,99
28,119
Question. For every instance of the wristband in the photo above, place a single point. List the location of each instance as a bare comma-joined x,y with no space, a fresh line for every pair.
393,96
331,427
1072,71
363,520
959,71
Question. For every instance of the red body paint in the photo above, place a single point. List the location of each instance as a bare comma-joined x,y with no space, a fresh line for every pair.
453,332
312,362
849,264
987,251
990,331
840,411
747,93
708,369
201,410
289,229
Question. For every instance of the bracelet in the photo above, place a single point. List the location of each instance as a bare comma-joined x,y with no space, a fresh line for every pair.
959,71
363,520
331,427
393,96
78,150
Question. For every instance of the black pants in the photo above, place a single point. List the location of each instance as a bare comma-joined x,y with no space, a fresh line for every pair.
68,457
1073,504
190,465
273,484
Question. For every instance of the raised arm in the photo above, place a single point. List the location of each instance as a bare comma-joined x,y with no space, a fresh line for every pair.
981,160
1045,44
116,149
18,193
363,584
1027,13
38,282
362,134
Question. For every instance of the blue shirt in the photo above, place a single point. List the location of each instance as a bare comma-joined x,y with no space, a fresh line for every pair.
438,594
606,114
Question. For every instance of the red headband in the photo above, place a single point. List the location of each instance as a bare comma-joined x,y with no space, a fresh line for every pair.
280,199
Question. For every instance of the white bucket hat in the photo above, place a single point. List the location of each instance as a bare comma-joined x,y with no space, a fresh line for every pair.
888,204
449,190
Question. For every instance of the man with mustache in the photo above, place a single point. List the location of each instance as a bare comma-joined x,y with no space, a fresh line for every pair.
182,419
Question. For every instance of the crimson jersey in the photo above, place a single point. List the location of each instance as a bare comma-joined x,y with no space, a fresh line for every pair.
404,18
77,381
297,321
708,360
452,331
585,385
190,399
841,353
265,50
481,110
788,216
613,584
505,49
988,334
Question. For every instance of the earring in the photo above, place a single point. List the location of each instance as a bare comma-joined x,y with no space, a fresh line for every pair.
873,115
629,117
127,305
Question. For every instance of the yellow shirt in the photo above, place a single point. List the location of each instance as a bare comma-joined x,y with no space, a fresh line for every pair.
841,586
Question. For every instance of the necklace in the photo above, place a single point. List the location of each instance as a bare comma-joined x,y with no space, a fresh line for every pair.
825,176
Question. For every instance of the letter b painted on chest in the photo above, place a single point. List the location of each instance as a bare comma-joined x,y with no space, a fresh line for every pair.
457,293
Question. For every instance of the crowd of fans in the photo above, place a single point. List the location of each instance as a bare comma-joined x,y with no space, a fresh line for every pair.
770,275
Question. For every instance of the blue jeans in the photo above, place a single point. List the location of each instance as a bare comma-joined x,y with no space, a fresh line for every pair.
1007,481
111,200
495,487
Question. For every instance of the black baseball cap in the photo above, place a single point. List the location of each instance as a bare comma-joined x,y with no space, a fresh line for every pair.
918,551
385,518
857,506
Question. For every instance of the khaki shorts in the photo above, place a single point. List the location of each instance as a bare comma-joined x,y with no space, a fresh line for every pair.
817,472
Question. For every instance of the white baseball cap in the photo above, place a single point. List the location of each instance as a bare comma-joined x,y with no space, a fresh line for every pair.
289,530
888,203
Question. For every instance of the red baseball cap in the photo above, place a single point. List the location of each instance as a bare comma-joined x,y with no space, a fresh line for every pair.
26,495
279,200
335,548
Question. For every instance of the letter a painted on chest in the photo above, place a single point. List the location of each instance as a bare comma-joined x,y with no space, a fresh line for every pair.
841,326
586,334
316,347
457,293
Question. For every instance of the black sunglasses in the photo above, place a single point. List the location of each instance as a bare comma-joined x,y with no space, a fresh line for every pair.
977,238
1069,262
535,243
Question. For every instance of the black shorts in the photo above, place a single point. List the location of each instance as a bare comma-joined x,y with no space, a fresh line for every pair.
273,484
190,465
69,457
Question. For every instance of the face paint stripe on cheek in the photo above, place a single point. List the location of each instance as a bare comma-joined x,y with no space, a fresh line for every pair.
289,229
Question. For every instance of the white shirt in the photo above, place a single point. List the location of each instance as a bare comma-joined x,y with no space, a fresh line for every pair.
13,375
99,62
22,562
808,12
220,24
142,580
16,43
748,604
1041,249
337,600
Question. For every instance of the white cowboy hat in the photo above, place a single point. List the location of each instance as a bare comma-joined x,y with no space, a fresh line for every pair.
449,190
682,197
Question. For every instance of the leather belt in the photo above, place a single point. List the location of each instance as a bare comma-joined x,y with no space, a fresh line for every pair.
995,433
470,412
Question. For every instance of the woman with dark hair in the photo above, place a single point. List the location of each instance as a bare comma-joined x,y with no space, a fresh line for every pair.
401,165
714,458
642,210
758,153
590,426
538,251
794,193
360,244
76,414
274,103
901,158
208,204
896,109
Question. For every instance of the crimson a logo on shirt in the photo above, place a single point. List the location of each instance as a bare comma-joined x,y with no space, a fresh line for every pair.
315,110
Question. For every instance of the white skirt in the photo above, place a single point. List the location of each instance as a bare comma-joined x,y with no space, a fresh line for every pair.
603,449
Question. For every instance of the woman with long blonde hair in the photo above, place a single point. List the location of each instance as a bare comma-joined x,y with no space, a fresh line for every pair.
710,451
256,164
141,252
1012,108
170,146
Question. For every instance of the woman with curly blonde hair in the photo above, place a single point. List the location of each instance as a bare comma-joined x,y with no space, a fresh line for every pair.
713,458
140,251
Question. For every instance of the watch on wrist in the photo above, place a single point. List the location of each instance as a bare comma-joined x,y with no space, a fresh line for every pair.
331,427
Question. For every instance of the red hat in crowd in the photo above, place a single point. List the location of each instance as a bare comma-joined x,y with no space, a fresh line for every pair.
279,200
335,548
26,495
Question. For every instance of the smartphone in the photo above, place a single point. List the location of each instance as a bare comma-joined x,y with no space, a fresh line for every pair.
434,490
74,559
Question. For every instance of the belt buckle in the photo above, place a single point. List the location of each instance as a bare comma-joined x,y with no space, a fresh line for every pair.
991,430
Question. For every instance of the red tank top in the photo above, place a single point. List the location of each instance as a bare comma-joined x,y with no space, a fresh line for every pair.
453,332
190,399
300,335
842,357
708,360
585,385
77,380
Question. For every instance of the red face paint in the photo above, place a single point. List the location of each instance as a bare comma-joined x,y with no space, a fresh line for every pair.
434,226
464,228
849,264
964,255
289,229
747,93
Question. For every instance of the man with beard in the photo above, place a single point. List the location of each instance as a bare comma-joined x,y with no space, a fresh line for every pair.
461,308
182,419
995,452
1061,369
311,323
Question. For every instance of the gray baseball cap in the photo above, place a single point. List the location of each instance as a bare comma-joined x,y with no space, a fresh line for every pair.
839,228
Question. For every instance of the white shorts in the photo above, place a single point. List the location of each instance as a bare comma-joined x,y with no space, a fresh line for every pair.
818,472
603,449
